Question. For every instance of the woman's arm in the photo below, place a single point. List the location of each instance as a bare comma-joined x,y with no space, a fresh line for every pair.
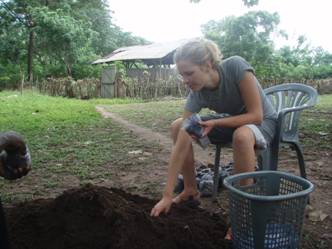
178,155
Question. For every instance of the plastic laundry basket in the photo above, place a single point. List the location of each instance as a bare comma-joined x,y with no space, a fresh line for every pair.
267,214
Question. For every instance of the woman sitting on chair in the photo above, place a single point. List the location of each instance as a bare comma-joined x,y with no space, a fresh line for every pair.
224,86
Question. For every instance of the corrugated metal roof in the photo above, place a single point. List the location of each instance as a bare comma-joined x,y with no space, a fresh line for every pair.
151,52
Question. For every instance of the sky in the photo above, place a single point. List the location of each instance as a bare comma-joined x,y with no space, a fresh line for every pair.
171,20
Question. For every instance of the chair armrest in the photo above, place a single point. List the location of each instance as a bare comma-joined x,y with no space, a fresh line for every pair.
282,114
294,109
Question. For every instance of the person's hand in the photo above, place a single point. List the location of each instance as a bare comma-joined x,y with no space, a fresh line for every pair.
15,160
163,206
193,137
207,125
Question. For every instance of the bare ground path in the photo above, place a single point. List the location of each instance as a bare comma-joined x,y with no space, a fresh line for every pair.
204,156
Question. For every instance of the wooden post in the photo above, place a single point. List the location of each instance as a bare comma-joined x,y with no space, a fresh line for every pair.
22,83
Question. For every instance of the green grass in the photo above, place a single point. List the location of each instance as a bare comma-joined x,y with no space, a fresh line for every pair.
324,103
65,137
153,115
32,113
316,124
157,115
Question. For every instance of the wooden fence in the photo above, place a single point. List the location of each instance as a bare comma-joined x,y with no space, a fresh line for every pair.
145,85
67,87
149,83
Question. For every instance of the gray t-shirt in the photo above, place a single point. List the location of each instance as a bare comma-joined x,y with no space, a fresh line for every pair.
227,97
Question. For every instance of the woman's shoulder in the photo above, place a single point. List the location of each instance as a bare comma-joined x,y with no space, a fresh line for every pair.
235,63
236,59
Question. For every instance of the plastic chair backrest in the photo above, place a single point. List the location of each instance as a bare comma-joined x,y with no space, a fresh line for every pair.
289,100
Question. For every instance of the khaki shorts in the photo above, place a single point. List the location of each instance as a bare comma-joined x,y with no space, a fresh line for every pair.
224,135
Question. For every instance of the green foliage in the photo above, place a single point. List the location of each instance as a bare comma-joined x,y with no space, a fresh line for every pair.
68,36
10,76
247,3
247,35
250,3
250,37
86,70
63,37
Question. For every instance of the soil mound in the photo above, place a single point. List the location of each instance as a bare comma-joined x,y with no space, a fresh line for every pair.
103,218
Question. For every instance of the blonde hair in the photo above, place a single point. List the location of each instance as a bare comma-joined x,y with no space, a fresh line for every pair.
198,52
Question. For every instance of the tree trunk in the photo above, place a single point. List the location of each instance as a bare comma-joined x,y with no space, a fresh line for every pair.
68,66
68,69
30,55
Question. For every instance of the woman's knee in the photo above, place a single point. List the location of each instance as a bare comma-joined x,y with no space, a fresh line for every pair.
243,137
175,127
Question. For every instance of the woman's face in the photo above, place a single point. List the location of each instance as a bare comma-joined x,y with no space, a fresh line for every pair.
194,76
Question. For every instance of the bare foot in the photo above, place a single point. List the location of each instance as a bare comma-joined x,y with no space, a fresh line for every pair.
185,196
229,235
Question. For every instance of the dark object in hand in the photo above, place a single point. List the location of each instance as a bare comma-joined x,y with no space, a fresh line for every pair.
194,129
192,126
15,160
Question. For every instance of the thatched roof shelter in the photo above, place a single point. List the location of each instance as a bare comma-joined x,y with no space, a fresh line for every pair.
151,55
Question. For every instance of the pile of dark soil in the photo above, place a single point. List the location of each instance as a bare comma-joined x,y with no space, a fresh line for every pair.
101,218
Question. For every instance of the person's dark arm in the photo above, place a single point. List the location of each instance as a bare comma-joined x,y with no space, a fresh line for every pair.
15,160
4,242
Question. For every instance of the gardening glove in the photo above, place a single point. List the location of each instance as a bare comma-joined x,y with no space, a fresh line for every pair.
15,160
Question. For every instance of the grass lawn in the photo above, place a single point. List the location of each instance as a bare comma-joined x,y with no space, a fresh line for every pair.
65,137
68,137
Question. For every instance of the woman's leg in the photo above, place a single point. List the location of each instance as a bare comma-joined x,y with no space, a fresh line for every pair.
187,168
244,156
243,151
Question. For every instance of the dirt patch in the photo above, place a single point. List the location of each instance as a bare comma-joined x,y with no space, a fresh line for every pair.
318,221
97,217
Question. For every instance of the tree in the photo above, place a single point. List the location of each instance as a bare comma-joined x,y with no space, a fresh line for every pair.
247,3
247,36
17,11
305,62
57,36
61,36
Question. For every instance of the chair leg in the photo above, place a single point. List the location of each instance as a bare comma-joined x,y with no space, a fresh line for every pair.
300,159
268,159
263,159
216,171
274,156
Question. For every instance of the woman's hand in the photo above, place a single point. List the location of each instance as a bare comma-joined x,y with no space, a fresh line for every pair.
163,206
208,125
